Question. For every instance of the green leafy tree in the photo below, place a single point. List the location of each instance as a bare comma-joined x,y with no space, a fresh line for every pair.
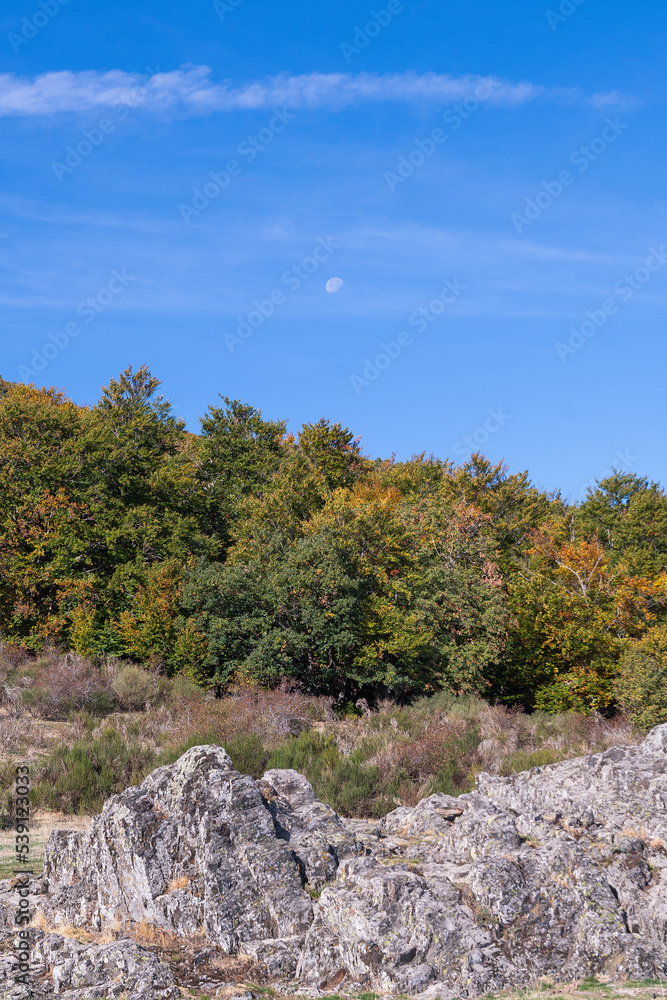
640,685
43,514
459,591
364,598
90,499
629,515
332,453
325,458
573,613
238,454
145,509
514,507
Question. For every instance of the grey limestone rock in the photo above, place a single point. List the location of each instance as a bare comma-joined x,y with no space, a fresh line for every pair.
656,742
66,968
559,871
314,832
192,850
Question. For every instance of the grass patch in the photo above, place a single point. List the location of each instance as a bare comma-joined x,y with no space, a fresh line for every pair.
523,760
80,777
41,826
349,784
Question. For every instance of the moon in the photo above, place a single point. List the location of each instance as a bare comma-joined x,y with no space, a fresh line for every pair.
334,285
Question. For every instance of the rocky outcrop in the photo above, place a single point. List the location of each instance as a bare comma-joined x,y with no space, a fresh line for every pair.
193,850
317,837
560,871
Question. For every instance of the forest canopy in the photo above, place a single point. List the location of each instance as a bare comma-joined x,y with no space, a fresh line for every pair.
246,552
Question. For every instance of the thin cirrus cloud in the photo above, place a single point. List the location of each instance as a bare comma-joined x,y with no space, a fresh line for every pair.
191,91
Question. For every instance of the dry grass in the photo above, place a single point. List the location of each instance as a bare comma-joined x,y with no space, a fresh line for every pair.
41,825
15,733
272,715
643,834
41,921
151,936
178,883
144,933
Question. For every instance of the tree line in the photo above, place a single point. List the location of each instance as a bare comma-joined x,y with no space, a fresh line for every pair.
249,553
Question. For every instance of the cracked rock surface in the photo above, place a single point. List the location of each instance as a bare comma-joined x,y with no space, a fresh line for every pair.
62,967
560,871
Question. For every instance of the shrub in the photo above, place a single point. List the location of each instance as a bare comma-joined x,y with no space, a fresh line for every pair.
453,768
270,715
348,784
641,684
60,684
7,779
134,687
247,750
183,687
15,734
466,706
437,748
11,656
79,777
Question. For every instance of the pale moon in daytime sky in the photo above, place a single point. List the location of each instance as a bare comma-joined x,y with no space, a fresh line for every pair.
334,284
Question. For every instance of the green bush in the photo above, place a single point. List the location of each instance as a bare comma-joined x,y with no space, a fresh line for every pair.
456,775
466,706
133,687
79,777
348,784
641,684
183,687
248,752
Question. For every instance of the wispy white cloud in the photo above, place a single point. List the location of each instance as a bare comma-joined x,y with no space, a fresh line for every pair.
191,91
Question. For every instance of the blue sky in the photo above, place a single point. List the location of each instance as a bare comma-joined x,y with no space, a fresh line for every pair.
180,181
